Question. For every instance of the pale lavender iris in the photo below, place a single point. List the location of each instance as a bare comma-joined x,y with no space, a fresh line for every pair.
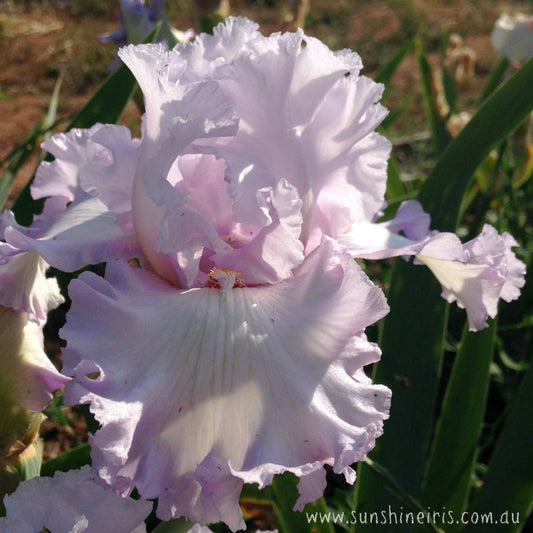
237,351
226,342
71,502
476,274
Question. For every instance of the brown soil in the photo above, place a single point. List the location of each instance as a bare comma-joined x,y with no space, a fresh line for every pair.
40,40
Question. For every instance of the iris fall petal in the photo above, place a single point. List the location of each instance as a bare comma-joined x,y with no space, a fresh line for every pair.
211,387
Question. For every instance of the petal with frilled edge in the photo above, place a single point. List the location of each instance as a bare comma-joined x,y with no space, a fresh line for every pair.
276,250
200,390
99,161
305,116
477,274
176,115
85,234
72,501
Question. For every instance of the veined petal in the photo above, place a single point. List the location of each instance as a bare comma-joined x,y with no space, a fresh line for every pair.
206,388
73,501
476,274
86,233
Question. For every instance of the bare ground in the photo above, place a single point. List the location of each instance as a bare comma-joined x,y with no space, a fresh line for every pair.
40,40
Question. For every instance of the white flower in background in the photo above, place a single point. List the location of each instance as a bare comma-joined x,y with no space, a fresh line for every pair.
512,37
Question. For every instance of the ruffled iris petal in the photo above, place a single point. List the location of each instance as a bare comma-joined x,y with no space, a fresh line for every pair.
99,161
70,502
85,234
211,387
286,88
87,214
176,115
477,274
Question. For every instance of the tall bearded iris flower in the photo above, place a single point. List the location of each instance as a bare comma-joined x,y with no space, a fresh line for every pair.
226,343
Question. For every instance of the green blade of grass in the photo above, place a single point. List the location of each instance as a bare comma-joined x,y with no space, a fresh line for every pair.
21,153
412,338
448,85
454,449
495,78
108,102
18,158
70,460
443,191
388,70
440,135
50,116
411,503
507,491
412,344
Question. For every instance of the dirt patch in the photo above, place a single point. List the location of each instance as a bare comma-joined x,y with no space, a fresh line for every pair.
40,40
